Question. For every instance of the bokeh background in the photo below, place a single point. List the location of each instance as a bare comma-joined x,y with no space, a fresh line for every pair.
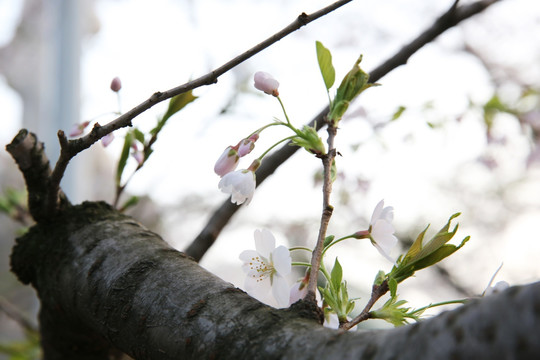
467,138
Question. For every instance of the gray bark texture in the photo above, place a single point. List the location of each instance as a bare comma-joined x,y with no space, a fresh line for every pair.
106,283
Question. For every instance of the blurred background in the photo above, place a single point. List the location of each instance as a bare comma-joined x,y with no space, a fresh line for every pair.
457,129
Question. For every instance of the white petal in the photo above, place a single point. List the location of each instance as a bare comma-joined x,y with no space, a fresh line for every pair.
281,259
265,242
383,253
280,290
257,284
382,232
377,212
387,214
248,257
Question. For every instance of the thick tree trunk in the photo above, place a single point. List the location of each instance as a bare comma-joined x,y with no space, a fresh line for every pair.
105,282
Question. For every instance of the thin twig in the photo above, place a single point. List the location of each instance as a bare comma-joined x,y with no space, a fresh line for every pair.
72,147
327,211
376,293
224,213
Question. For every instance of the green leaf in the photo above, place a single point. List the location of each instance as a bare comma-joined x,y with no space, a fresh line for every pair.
336,275
324,57
400,110
416,247
392,285
132,201
420,256
139,135
176,104
128,140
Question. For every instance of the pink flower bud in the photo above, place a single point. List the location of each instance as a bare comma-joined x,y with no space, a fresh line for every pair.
246,145
116,84
265,82
78,129
107,139
227,162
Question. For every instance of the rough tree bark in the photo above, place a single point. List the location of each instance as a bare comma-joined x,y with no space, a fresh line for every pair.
106,282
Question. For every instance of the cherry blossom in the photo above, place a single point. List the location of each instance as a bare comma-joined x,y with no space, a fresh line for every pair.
265,82
240,184
381,229
266,268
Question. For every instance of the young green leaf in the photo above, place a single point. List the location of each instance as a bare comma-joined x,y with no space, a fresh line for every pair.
336,275
324,57
400,110
176,104
123,157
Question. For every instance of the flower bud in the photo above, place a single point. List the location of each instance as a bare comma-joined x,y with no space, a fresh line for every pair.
116,84
246,145
265,82
227,162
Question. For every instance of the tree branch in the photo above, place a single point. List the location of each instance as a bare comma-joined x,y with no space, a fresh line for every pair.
224,213
106,283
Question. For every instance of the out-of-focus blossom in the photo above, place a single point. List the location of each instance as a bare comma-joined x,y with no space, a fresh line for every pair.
265,82
497,288
116,84
266,268
78,129
381,231
107,139
227,162
137,154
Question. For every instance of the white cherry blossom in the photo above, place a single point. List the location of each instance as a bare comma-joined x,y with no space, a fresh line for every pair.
240,184
266,269
382,231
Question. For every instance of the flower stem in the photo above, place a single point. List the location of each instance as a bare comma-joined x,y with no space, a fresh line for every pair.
337,241
273,146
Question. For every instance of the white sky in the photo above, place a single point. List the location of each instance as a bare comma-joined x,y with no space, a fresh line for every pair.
157,45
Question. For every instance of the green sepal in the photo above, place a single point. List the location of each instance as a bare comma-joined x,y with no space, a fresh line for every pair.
328,240
309,140
324,58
